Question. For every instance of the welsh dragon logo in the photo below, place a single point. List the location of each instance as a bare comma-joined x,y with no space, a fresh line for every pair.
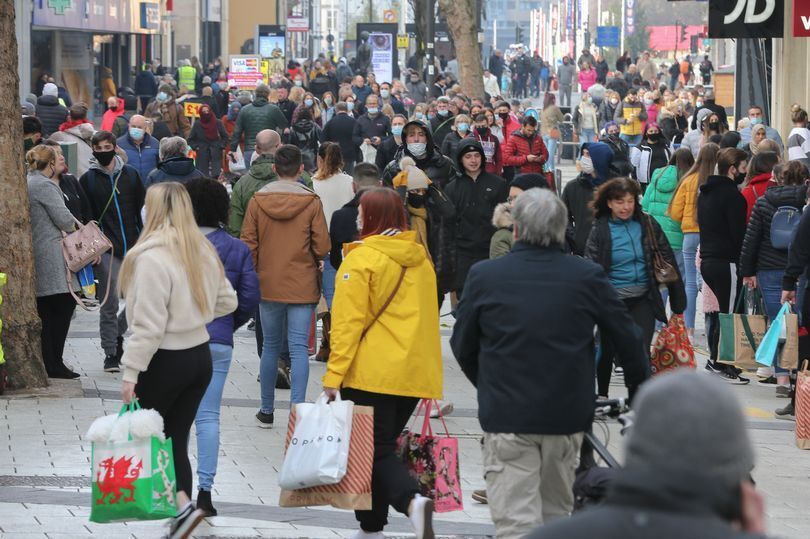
119,475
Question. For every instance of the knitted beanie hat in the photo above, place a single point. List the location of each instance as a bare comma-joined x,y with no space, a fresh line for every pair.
415,178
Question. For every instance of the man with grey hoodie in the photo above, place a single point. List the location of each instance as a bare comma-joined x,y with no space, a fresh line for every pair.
565,80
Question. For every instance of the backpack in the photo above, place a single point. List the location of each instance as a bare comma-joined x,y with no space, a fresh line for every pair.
305,142
784,225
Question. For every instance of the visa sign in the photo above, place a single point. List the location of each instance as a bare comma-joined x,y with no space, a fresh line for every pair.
801,18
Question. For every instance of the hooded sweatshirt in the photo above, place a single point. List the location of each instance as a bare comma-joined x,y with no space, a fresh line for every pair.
578,194
437,167
406,333
721,217
288,218
174,169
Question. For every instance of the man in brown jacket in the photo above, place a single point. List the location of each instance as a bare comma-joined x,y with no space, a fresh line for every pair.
170,112
286,231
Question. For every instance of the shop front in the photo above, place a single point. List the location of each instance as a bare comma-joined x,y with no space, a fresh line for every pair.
91,47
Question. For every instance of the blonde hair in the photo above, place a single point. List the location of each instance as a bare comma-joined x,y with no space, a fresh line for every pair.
39,157
170,222
296,95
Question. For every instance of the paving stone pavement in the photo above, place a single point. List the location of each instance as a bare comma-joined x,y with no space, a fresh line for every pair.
44,456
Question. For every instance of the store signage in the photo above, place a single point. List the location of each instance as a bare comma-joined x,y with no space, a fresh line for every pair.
297,24
608,36
246,72
630,16
150,15
801,18
191,110
741,19
382,55
99,16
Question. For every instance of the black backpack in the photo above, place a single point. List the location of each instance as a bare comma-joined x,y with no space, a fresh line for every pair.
784,225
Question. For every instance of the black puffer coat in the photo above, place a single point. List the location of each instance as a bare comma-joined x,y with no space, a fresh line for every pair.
51,114
437,167
599,249
620,166
757,252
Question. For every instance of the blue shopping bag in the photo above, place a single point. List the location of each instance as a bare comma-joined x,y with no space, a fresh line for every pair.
776,335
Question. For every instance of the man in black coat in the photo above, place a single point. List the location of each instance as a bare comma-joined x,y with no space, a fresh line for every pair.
343,227
441,125
373,126
679,479
709,103
340,129
50,111
524,338
474,193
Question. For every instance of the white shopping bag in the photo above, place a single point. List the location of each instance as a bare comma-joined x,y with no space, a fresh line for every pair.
238,163
369,153
318,453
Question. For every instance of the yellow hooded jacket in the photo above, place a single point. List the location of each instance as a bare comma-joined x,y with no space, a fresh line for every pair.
401,352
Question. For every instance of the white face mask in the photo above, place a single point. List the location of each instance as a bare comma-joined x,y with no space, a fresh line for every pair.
586,164
417,148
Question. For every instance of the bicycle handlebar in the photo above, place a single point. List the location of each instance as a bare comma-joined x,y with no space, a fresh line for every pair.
610,407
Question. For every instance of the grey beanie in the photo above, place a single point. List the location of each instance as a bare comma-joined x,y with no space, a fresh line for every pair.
692,425
702,114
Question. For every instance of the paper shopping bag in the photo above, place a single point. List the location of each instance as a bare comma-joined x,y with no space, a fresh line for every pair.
803,408
433,462
354,490
740,334
319,450
672,348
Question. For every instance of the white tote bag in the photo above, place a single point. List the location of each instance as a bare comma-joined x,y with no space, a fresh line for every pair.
369,153
238,162
318,453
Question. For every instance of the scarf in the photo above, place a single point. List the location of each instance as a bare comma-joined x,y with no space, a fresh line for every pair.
209,125
419,225
754,147
71,123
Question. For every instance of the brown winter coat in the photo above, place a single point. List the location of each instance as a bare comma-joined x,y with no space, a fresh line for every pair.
286,231
172,113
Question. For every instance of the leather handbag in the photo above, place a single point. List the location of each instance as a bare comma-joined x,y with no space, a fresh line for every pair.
79,249
665,273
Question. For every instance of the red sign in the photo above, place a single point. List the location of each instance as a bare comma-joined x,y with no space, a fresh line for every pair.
801,18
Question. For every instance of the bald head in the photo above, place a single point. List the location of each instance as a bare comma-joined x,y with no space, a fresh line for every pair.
267,142
138,121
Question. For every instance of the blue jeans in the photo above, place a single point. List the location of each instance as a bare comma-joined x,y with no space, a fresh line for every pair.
691,277
207,420
298,318
551,145
631,140
587,135
328,277
770,286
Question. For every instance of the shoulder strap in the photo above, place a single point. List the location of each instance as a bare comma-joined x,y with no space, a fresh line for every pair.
112,195
387,302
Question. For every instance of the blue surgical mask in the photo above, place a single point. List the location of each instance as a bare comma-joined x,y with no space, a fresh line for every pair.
162,96
431,115
350,105
384,94
444,112
397,130
463,127
373,110
136,133
419,115
756,121
308,102
299,83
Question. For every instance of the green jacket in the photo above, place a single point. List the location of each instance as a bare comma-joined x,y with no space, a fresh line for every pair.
663,183
257,116
260,174
502,240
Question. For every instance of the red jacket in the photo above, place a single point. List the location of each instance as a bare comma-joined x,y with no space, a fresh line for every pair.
755,189
509,127
518,147
492,153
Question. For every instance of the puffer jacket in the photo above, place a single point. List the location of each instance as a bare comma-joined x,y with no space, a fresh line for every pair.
174,169
518,147
503,239
757,252
51,113
599,250
620,166
656,203
238,264
407,331
684,208
755,189
256,117
648,157
436,166
144,157
624,111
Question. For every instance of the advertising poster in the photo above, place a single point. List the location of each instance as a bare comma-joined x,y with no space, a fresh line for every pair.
382,56
245,72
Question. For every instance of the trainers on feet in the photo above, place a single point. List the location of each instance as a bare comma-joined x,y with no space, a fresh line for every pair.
786,413
265,420
769,381
111,363
480,496
714,367
728,374
421,517
445,407
783,392
184,523
204,503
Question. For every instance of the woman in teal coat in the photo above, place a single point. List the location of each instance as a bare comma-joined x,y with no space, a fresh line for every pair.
663,183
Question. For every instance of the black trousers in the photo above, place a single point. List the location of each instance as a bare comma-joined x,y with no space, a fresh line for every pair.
465,261
55,311
717,274
642,313
174,385
391,484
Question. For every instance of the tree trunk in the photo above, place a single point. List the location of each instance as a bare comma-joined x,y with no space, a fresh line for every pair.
21,324
420,22
460,15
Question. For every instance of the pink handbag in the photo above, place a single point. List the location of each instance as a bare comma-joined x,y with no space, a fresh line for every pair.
433,461
82,247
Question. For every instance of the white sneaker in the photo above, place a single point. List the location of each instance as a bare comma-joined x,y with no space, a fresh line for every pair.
421,516
445,407
368,535
765,372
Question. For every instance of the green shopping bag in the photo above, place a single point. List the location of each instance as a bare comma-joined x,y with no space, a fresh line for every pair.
740,334
133,479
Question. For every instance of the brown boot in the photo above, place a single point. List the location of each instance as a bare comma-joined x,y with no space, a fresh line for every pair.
323,352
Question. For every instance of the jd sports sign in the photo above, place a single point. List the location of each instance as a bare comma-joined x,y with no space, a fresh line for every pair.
746,18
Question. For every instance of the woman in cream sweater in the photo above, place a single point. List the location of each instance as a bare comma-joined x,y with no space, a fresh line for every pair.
174,284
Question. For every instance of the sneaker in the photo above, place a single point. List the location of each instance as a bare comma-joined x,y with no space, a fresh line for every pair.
714,368
204,503
769,381
283,377
111,363
618,371
729,375
480,496
184,523
786,413
446,408
783,392
765,372
421,517
265,420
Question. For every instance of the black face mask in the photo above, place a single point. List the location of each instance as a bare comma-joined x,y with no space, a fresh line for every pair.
504,115
417,201
482,131
104,158
655,137
613,135
714,126
740,178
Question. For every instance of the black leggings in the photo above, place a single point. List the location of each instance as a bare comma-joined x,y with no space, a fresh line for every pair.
174,384
642,313
55,311
717,275
391,484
